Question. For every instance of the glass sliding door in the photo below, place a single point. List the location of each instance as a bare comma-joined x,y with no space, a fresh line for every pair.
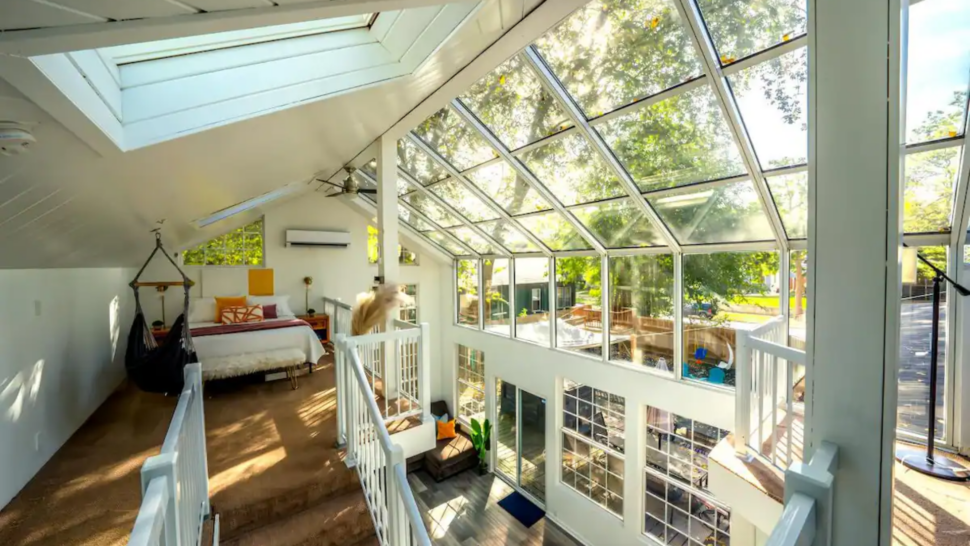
521,439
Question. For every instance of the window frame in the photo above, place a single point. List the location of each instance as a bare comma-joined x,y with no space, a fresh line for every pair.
262,237
464,355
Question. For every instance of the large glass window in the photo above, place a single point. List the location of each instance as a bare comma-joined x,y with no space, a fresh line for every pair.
681,140
679,508
532,299
418,164
613,52
513,104
498,312
428,207
464,201
790,194
502,184
798,306
508,236
928,196
642,310
471,384
554,231
579,305
454,139
408,312
915,328
724,293
573,171
619,223
593,433
404,256
719,213
743,27
241,246
467,292
468,236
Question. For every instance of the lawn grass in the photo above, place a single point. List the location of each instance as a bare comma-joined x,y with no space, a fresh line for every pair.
771,302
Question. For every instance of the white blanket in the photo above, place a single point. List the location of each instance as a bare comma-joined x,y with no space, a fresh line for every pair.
260,341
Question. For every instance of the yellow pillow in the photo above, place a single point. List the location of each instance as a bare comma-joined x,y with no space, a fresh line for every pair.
222,303
446,430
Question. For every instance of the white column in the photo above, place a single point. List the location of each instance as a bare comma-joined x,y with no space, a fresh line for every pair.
855,196
388,266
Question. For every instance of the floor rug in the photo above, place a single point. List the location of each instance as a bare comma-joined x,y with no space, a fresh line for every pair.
522,509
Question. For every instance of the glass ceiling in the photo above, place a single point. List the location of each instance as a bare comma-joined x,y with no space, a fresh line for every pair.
619,140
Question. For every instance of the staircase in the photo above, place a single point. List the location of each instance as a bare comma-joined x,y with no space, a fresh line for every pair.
301,495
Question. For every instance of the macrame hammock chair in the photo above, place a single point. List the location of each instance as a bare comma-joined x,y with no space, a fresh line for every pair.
151,367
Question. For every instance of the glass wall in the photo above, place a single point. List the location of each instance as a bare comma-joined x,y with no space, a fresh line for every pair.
579,304
642,310
495,282
471,384
532,299
468,292
507,423
725,292
915,340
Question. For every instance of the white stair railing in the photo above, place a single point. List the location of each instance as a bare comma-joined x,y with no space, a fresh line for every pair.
764,399
809,494
340,316
380,464
175,483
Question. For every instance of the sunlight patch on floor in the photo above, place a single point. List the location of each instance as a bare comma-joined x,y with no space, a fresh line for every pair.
444,514
318,408
243,470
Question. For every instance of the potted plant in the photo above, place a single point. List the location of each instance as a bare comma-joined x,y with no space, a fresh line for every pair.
311,312
482,442
158,325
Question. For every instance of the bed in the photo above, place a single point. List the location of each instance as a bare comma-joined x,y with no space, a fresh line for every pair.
231,350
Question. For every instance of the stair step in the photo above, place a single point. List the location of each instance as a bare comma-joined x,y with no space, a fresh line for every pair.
338,521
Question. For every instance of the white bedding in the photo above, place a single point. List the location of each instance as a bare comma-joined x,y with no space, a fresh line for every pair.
223,345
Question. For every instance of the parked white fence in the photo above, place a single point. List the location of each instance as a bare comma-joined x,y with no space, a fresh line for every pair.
766,409
175,483
380,464
809,494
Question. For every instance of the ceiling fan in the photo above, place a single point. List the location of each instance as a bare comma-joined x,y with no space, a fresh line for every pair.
350,186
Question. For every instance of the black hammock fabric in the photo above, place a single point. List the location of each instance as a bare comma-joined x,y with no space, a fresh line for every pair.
157,369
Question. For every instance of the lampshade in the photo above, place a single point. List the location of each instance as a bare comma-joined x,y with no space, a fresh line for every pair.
909,265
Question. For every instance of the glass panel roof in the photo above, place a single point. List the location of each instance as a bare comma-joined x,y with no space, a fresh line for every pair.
513,104
413,219
447,243
418,164
680,140
371,170
502,184
740,28
728,213
619,224
555,231
790,193
474,240
432,210
454,139
928,197
772,99
464,201
509,236
938,71
613,52
573,171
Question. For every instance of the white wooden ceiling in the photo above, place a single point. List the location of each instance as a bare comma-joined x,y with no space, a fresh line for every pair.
65,205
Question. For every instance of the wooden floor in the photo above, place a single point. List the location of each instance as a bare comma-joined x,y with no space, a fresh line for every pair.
463,510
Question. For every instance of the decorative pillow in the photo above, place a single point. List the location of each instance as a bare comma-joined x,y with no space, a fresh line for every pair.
282,304
269,311
442,418
202,310
222,303
243,313
446,430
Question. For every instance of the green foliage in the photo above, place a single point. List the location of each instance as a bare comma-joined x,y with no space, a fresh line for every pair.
523,313
405,256
726,277
481,440
242,246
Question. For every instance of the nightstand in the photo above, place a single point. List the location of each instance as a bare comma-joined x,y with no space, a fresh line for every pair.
320,325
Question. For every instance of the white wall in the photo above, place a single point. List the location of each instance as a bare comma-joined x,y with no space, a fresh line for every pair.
63,335
540,371
337,272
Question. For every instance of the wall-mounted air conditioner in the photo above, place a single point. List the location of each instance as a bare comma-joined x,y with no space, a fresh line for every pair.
332,239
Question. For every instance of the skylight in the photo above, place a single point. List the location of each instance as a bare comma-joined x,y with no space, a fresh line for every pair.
161,49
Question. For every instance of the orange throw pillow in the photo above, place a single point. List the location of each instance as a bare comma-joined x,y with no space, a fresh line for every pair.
446,430
222,303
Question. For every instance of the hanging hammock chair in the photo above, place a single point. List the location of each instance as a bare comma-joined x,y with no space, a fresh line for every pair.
151,367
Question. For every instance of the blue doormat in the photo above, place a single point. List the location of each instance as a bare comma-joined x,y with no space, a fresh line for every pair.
522,509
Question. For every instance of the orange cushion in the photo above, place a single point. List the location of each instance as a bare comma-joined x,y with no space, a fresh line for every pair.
239,315
446,430
222,303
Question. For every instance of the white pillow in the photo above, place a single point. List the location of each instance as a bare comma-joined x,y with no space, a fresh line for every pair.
202,310
282,304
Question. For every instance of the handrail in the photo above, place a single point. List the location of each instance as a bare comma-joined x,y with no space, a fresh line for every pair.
404,325
175,483
764,397
809,494
337,302
379,462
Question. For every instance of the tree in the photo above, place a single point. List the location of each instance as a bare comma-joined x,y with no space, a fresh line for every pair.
241,246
